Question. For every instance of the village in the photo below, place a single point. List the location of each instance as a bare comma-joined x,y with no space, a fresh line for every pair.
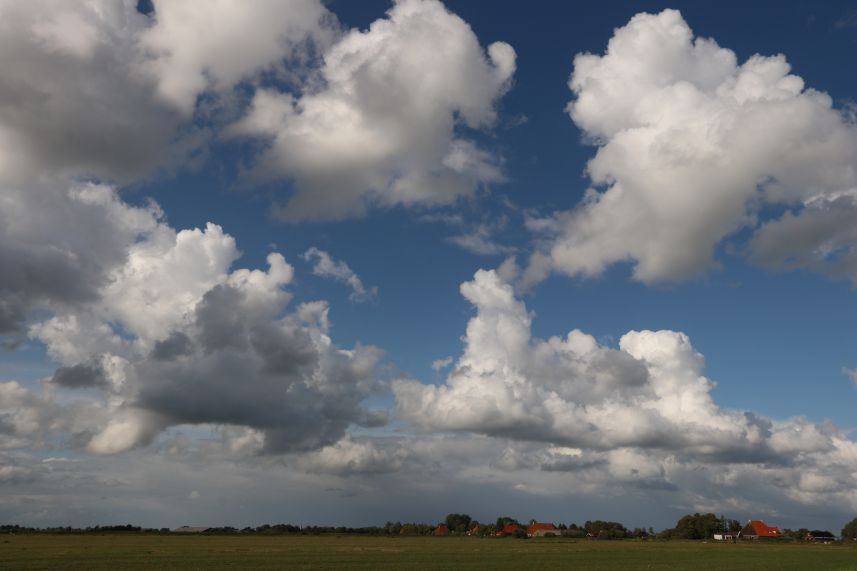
752,531
696,526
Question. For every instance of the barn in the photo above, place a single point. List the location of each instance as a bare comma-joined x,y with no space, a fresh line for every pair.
542,530
757,529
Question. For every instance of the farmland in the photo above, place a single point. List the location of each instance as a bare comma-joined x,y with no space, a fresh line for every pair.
327,552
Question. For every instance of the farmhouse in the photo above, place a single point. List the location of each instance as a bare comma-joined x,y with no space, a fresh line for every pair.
542,529
509,529
757,529
441,530
727,536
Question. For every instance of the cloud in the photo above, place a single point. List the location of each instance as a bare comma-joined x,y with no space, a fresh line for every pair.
59,242
649,394
851,374
480,242
384,123
70,98
691,146
173,336
82,375
439,364
194,46
821,237
97,91
848,20
327,267
349,457
474,237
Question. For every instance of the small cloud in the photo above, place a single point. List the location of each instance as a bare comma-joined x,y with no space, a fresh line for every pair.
439,364
848,20
327,267
516,121
851,374
194,495
480,243
443,218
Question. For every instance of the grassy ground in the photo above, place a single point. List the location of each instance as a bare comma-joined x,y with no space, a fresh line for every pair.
127,551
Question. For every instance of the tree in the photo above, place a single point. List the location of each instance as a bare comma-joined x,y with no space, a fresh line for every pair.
458,522
850,530
605,529
700,526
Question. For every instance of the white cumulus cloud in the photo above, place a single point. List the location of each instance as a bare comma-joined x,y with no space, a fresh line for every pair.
691,144
648,394
384,121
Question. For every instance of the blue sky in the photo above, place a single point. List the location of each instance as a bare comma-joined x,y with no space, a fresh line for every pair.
133,338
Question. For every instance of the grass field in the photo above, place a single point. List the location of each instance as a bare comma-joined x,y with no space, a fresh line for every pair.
126,551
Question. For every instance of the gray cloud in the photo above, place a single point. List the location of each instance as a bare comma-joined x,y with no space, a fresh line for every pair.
176,345
226,355
820,236
80,376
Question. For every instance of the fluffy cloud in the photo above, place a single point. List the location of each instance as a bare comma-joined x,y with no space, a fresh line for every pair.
59,242
98,91
691,145
649,394
639,417
327,267
383,124
172,336
198,46
69,100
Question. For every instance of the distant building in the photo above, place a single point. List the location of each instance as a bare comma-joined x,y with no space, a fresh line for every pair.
441,530
727,536
509,529
477,529
819,535
542,529
757,529
189,529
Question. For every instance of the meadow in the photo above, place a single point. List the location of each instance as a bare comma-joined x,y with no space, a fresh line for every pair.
328,552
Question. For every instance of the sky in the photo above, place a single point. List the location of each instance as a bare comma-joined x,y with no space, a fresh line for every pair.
343,263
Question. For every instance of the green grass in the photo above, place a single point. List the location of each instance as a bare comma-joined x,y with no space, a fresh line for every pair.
133,551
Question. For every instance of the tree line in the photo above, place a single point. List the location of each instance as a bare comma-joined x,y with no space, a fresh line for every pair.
691,526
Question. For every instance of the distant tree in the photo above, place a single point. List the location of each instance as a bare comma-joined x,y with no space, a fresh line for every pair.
605,529
699,526
504,521
458,523
574,531
850,530
795,534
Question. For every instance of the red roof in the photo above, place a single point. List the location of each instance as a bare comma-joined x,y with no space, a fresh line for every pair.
510,528
441,530
763,530
537,526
